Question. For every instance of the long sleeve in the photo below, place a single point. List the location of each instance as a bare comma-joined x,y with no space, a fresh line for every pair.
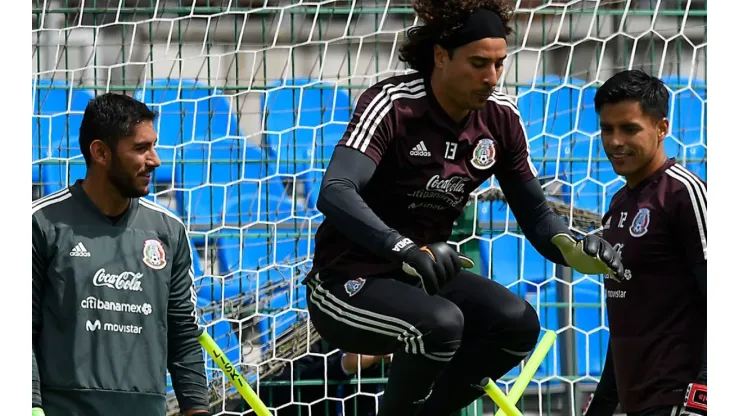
184,353
518,179
38,275
690,222
700,272
534,216
340,201
35,382
605,398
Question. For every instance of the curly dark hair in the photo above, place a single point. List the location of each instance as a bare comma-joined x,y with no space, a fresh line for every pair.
442,18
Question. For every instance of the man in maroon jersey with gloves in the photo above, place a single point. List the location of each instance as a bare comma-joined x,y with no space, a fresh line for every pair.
656,363
384,280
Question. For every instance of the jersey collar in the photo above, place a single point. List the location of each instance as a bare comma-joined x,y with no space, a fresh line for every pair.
653,177
81,195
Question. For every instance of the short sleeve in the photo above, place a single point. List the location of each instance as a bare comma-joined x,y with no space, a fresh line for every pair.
371,128
515,164
690,214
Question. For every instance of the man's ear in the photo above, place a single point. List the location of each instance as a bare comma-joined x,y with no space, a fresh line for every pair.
441,56
100,153
662,128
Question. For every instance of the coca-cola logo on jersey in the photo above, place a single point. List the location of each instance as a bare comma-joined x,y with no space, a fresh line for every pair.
123,281
453,186
449,190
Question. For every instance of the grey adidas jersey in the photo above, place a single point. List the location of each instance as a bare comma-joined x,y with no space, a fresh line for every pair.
113,308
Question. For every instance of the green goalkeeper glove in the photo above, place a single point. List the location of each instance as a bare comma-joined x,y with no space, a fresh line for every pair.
37,411
590,255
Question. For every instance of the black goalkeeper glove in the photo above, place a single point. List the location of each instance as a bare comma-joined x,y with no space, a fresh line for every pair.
434,264
590,255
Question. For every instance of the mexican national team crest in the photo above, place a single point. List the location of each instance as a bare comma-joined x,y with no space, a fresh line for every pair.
484,155
640,223
354,286
154,255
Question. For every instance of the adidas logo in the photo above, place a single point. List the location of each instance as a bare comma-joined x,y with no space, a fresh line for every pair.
420,150
79,251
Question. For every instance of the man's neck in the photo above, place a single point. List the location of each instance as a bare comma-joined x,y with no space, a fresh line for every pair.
658,161
442,98
105,196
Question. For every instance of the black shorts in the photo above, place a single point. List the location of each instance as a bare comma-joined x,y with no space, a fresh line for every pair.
382,315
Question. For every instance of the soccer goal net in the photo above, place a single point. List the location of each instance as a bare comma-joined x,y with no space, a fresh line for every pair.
252,96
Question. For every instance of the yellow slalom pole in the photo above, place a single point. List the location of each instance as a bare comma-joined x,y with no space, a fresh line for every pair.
499,397
538,356
236,379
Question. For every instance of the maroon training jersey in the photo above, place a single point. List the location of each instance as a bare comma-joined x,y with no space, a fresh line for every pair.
657,316
427,165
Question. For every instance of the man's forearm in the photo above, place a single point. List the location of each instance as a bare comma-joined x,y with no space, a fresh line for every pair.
35,383
37,277
345,209
341,203
535,217
184,353
700,272
187,371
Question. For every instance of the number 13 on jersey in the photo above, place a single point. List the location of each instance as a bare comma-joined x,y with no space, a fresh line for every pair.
450,150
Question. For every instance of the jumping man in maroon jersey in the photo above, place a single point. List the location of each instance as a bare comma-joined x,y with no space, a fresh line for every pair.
417,146
656,361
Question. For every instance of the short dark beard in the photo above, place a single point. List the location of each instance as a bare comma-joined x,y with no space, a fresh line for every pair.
123,184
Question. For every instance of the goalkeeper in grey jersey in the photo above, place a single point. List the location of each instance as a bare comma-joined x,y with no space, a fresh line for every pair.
113,296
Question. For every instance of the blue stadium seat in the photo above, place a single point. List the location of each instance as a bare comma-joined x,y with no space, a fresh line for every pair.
189,110
515,263
228,340
696,161
498,257
233,194
588,318
557,114
248,267
567,120
260,247
58,108
58,175
549,321
284,314
204,173
170,389
311,181
520,271
532,104
263,261
217,289
688,123
305,118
